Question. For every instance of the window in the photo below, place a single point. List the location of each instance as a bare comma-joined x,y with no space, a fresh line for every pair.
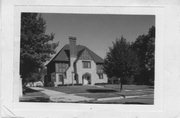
100,75
86,64
61,67
99,68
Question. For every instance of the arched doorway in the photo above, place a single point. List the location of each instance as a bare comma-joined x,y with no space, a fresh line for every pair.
86,78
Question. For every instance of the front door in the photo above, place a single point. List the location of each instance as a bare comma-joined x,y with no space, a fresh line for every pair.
86,79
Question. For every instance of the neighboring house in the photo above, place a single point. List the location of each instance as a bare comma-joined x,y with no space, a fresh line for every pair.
75,64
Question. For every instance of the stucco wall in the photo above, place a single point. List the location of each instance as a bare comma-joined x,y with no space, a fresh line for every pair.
81,71
94,77
67,78
69,75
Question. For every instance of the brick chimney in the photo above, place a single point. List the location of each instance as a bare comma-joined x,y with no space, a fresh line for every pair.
72,47
73,56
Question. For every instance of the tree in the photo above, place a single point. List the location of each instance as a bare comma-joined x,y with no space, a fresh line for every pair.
36,45
145,48
121,61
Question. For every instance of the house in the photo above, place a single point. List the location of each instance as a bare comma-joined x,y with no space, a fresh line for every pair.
75,64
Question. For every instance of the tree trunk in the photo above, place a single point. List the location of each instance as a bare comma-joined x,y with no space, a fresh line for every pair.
112,81
121,87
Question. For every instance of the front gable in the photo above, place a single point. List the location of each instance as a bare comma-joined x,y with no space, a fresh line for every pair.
61,67
84,55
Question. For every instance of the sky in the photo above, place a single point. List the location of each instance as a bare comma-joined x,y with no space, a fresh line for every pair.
96,31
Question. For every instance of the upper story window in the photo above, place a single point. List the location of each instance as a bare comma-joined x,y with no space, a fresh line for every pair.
61,67
86,64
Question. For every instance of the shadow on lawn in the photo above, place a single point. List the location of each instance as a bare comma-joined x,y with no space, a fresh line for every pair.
29,90
29,95
100,90
35,99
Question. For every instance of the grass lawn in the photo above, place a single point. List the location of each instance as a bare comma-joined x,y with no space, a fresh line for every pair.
104,91
80,89
96,92
138,100
109,88
34,96
128,87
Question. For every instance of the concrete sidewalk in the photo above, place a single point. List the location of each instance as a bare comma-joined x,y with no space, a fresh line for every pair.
121,97
56,96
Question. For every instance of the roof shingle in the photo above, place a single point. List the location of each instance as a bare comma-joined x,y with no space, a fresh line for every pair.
64,54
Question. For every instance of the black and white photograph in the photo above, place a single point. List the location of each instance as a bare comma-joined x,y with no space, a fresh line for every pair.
87,58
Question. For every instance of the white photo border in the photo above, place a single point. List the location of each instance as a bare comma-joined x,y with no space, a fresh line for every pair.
9,99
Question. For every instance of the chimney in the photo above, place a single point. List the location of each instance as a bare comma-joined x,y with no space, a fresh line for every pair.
72,47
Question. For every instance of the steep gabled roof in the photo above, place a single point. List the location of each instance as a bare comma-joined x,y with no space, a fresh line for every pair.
64,54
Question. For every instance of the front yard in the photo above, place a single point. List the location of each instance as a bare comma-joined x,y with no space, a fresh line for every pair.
131,94
108,90
31,95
